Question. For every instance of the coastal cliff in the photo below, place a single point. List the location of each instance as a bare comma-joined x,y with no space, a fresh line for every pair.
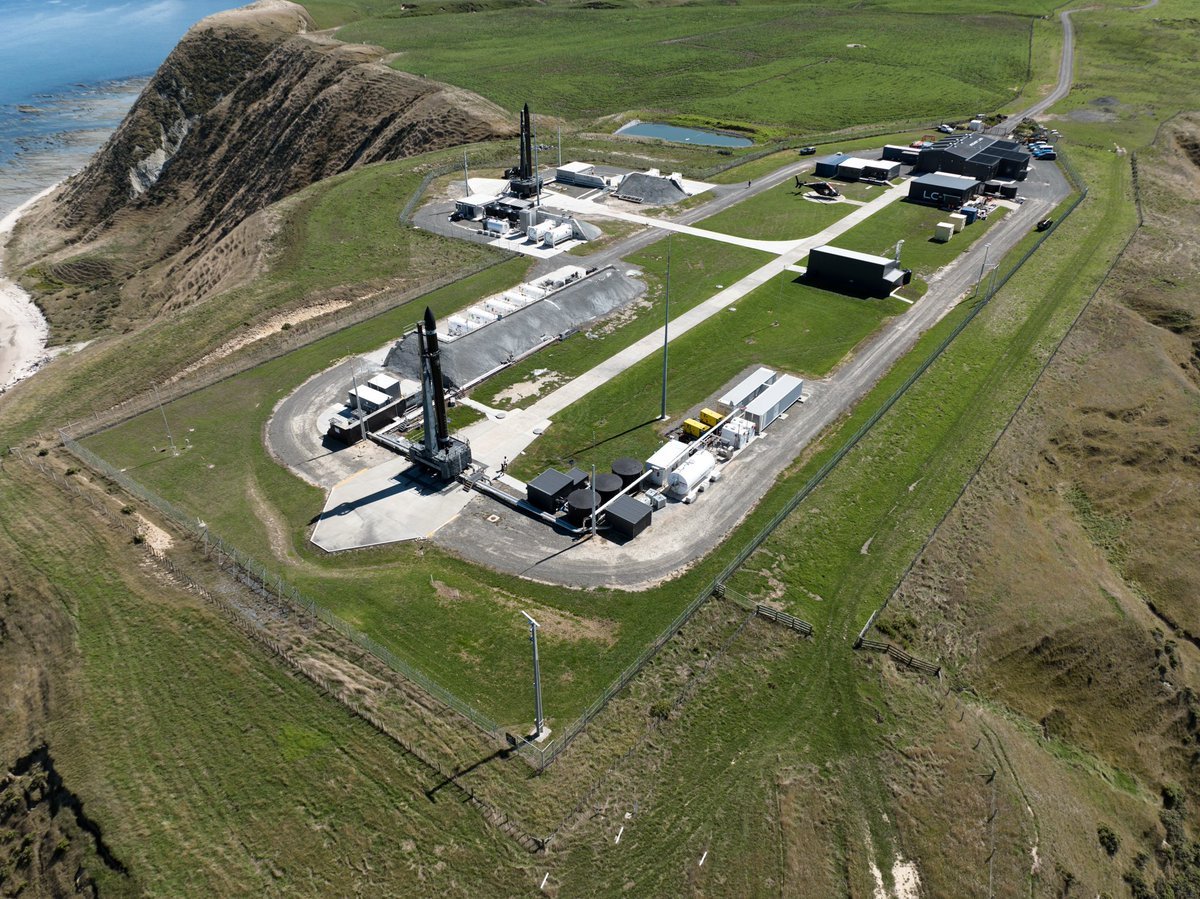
248,109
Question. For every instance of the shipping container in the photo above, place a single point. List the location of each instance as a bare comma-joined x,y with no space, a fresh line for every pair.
774,402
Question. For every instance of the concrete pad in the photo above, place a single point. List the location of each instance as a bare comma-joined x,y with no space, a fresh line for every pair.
389,503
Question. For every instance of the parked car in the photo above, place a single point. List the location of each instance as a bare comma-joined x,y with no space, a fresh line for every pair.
1044,224
807,151
946,129
1048,156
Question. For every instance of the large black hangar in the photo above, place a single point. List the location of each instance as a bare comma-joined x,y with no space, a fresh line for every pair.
942,189
979,156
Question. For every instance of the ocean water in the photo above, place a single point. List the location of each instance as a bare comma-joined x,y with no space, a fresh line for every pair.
69,71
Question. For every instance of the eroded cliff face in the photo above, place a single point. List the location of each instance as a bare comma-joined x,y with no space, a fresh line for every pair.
248,109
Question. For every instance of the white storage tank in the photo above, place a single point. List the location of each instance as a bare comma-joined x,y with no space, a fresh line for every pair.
557,235
536,232
692,473
664,460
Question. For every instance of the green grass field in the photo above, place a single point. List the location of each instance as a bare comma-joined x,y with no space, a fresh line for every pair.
915,225
766,67
780,213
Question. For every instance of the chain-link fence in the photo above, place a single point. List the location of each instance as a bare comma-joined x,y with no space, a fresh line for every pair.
260,576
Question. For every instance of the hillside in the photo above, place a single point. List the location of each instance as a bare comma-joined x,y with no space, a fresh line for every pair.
247,110
1064,585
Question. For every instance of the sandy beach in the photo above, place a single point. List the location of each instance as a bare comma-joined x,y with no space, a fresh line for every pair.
23,329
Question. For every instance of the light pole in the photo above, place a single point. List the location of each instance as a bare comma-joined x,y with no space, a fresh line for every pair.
362,422
982,269
170,439
538,721
662,415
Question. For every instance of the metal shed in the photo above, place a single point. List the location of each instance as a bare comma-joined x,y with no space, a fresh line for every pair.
828,167
748,388
774,402
628,516
385,384
851,168
367,398
580,174
881,170
548,490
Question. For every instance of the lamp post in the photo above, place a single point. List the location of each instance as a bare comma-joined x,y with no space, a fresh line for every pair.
538,721
662,415
982,269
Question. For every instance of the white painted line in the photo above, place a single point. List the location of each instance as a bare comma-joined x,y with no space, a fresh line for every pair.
544,879
702,858
619,832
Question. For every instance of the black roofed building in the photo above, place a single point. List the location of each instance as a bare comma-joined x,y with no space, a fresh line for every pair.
978,156
943,190
854,272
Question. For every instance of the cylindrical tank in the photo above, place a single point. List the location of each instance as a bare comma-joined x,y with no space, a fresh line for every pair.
579,505
608,486
692,473
627,469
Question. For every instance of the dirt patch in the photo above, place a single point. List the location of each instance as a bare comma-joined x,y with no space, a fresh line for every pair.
559,625
445,591
528,389
156,538
255,333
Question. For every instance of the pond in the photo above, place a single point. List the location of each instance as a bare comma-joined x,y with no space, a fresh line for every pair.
683,135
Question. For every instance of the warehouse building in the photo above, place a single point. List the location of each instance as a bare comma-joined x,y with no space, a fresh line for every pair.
979,156
943,190
853,272
905,155
881,170
828,167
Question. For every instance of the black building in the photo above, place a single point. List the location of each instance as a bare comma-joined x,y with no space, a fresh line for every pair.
943,190
853,272
628,516
978,156
549,490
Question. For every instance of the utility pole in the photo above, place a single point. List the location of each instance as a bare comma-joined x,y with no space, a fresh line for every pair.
662,415
466,176
594,506
560,146
538,721
362,421
537,175
170,439
982,269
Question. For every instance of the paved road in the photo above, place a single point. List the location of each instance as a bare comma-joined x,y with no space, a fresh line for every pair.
681,534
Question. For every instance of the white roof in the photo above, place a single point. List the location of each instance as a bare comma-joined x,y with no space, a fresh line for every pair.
370,394
579,168
667,454
383,381
746,386
479,199
855,163
851,254
785,386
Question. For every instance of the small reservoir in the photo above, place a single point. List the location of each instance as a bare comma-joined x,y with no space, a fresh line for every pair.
683,135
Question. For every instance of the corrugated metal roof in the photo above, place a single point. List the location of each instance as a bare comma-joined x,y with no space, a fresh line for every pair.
852,254
946,180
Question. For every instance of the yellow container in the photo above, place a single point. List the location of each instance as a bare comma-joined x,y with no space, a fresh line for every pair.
693,428
709,417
